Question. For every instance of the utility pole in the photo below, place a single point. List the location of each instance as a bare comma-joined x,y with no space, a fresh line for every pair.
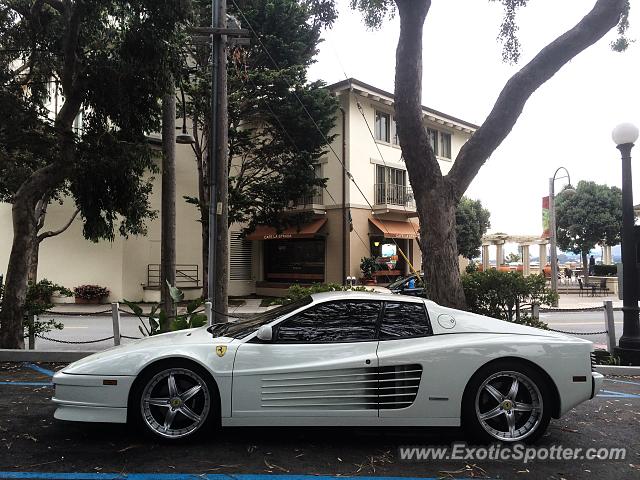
219,254
218,158
168,204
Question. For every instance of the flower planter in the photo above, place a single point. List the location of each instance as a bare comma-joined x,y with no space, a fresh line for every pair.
88,301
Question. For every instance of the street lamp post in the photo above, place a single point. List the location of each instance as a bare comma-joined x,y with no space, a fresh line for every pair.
553,254
624,135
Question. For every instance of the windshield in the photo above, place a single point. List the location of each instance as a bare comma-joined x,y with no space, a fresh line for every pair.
397,283
242,327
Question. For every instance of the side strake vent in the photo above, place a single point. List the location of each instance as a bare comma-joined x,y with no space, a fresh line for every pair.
346,389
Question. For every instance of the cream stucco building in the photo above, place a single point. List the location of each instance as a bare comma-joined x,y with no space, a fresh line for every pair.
373,214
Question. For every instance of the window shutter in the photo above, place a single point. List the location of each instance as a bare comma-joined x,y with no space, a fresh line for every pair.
241,258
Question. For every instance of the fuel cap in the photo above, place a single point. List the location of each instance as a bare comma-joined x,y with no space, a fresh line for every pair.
446,321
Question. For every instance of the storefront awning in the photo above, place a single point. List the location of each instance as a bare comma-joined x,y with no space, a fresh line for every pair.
394,229
306,230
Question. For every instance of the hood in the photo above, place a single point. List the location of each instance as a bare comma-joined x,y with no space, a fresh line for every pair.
147,345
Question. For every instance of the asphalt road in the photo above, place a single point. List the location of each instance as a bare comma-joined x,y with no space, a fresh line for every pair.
32,441
82,328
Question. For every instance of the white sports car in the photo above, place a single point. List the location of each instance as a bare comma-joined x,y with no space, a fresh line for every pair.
337,359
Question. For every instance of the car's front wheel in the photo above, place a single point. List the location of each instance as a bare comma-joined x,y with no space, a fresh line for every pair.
508,403
174,402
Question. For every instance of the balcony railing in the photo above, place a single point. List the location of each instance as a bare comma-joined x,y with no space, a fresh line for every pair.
315,199
393,194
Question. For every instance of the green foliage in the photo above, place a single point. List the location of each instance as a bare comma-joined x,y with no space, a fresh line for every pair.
590,216
296,292
472,267
151,324
605,270
114,75
90,292
503,294
37,302
472,222
273,144
512,258
368,265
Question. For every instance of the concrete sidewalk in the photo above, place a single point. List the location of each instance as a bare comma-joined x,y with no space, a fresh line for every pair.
576,302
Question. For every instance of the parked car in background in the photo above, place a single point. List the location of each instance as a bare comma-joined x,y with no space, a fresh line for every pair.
412,285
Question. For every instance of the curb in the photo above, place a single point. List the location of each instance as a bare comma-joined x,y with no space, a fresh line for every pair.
617,370
9,355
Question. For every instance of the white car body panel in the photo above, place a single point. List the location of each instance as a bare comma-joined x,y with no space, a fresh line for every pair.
461,343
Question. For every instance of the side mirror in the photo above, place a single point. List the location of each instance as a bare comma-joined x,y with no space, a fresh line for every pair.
265,333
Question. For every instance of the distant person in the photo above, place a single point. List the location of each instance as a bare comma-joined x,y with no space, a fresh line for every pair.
412,283
592,265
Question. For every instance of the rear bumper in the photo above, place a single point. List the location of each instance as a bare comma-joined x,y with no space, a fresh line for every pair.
596,383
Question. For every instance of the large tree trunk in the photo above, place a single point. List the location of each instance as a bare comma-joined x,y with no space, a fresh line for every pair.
25,228
439,248
435,198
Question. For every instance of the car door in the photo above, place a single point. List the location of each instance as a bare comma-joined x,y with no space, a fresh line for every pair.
321,363
405,331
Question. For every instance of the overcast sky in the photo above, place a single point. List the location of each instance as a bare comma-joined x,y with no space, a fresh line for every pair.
567,122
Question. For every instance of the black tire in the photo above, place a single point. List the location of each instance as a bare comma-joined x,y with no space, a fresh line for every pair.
488,419
147,416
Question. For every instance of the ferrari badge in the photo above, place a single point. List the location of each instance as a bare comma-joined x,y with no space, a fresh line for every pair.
221,350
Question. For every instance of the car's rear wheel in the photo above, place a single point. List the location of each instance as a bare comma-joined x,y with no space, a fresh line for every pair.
508,403
174,402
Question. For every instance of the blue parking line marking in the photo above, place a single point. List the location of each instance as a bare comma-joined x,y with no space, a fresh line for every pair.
611,394
39,369
28,384
184,476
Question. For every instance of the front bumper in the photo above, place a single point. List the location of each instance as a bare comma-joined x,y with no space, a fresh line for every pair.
596,383
91,398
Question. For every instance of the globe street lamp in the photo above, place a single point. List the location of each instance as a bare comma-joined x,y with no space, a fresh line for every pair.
624,135
552,227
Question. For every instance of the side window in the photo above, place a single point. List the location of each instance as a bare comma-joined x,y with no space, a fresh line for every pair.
404,320
332,322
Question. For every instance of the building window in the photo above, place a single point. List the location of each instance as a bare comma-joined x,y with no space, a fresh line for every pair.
394,132
391,186
294,261
240,257
445,145
440,142
383,131
432,135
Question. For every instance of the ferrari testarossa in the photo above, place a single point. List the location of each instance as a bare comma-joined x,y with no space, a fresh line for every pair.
337,359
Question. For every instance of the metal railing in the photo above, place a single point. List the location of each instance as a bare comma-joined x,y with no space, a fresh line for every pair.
315,199
186,275
394,194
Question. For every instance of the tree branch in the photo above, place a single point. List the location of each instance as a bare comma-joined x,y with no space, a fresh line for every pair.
603,17
53,233
419,156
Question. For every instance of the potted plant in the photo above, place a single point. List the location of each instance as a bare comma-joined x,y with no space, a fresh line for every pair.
90,294
368,265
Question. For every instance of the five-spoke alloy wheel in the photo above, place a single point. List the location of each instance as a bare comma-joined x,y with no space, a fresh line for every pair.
174,402
508,403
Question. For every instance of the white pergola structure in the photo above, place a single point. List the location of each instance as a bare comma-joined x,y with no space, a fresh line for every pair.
524,241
